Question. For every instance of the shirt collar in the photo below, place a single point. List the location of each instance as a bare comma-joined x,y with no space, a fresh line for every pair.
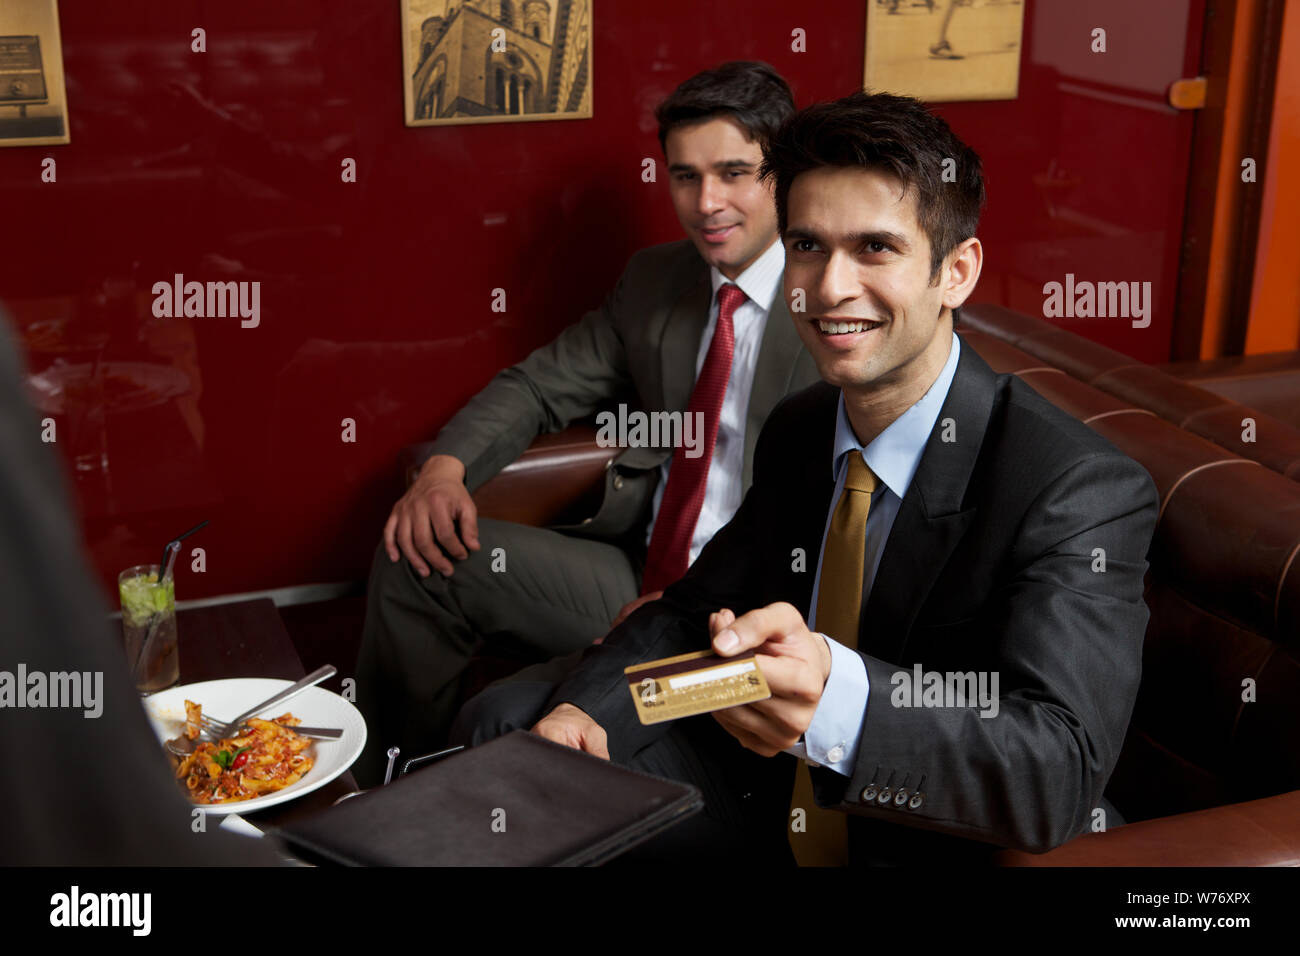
895,453
761,281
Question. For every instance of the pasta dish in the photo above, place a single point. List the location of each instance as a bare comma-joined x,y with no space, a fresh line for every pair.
266,757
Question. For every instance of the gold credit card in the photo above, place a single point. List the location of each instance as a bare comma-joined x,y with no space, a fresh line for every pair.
695,683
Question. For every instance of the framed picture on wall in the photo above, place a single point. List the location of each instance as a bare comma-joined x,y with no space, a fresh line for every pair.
33,102
496,61
944,50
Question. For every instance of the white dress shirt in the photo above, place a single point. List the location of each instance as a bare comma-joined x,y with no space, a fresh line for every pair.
761,283
833,736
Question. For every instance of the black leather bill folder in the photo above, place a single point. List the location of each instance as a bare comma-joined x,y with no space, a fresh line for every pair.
518,800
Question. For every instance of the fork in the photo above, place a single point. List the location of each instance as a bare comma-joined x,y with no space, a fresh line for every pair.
217,729
208,728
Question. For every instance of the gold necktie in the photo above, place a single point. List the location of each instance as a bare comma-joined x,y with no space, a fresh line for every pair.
839,608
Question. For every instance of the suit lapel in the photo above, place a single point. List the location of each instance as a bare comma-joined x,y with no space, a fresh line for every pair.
812,481
680,324
930,521
777,355
680,345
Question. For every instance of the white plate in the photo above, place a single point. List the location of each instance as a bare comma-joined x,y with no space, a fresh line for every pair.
315,707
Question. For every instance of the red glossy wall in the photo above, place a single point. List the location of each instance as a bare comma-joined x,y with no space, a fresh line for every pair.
376,296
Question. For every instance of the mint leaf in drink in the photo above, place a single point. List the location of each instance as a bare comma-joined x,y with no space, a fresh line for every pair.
143,597
162,596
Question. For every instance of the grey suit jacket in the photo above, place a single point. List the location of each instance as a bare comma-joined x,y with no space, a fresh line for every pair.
639,346
991,566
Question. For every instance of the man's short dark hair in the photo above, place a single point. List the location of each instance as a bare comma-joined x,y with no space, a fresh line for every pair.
895,134
750,92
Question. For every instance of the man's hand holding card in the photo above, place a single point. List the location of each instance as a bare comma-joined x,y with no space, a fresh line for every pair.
796,663
762,682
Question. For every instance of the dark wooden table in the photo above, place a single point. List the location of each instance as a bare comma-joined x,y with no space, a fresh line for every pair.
248,639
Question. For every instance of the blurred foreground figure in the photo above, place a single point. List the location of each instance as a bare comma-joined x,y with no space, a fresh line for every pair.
86,784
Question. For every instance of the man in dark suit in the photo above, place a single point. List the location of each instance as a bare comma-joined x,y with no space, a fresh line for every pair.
913,515
686,328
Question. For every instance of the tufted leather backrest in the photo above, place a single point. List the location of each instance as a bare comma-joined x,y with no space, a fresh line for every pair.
1224,593
1276,443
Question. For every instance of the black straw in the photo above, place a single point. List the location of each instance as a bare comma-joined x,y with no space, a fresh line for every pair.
156,618
162,567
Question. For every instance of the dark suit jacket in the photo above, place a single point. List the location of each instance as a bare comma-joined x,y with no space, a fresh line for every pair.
989,566
640,345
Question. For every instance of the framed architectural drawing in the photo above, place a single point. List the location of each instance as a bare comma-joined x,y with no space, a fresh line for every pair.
496,61
944,50
33,102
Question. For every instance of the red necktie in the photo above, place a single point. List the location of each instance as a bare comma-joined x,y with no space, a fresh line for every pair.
679,509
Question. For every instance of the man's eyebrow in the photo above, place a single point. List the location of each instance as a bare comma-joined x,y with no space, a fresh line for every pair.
855,239
720,166
884,236
794,233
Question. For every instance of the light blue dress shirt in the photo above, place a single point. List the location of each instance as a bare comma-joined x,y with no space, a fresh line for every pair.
893,455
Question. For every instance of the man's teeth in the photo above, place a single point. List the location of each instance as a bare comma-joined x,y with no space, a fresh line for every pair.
836,328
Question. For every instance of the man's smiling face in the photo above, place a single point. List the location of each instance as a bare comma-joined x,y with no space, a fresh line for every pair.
726,211
871,317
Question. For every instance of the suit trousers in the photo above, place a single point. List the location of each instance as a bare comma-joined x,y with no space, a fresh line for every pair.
529,590
746,796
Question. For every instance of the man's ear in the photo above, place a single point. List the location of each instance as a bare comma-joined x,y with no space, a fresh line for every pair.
962,272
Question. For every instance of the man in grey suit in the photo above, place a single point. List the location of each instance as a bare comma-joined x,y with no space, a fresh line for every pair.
696,326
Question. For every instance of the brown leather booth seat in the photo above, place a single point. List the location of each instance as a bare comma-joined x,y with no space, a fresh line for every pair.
1224,593
1269,381
1205,777
1258,833
1276,443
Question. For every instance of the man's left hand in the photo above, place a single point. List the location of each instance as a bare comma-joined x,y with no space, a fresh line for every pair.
796,664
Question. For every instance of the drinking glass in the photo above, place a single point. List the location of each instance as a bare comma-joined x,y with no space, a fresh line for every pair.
149,627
